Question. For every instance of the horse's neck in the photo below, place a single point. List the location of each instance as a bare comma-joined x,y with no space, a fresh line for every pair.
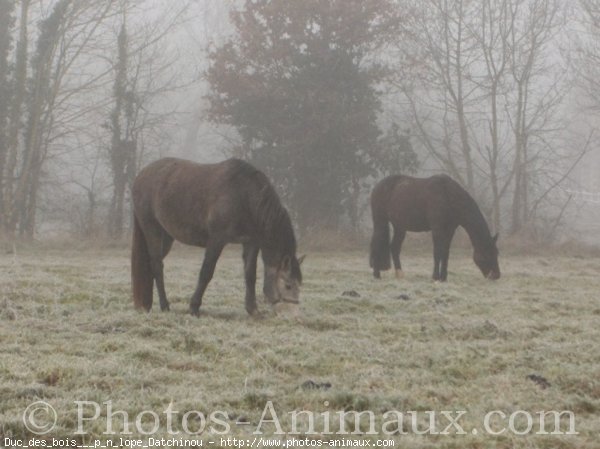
474,223
271,255
277,242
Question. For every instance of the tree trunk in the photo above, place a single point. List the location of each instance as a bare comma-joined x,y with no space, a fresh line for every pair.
519,166
14,123
6,25
123,158
353,211
123,146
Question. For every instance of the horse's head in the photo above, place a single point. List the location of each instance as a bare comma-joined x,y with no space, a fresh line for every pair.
486,259
282,282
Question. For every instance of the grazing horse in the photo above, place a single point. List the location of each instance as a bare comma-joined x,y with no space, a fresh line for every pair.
210,205
438,204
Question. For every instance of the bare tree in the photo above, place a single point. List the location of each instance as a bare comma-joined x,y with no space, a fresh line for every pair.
435,65
89,216
123,142
588,63
486,98
6,26
143,72
591,9
63,35
18,86
55,105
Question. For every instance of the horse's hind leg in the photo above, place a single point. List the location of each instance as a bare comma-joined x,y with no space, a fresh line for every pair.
211,255
167,243
395,247
159,245
445,255
250,256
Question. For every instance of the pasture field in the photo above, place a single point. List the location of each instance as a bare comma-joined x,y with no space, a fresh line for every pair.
68,333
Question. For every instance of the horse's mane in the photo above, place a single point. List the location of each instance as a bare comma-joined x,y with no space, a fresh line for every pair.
476,217
474,222
269,214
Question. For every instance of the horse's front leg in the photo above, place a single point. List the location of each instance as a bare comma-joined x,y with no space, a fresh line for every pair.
213,251
250,256
441,253
437,255
445,255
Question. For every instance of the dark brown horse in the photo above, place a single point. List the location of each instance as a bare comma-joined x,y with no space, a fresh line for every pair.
437,204
209,206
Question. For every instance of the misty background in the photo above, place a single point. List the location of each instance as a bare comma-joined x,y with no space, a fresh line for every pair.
326,96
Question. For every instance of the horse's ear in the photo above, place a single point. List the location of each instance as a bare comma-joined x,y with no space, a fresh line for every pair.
301,259
495,238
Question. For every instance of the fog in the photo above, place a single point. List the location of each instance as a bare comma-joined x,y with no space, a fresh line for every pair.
325,97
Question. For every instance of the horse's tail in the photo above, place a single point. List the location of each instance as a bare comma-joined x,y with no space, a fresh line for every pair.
142,279
380,242
380,246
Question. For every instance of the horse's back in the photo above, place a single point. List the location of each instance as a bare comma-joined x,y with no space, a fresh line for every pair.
171,181
414,204
187,199
384,191
178,169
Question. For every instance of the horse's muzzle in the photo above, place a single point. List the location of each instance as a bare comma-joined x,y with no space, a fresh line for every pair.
283,300
280,300
493,275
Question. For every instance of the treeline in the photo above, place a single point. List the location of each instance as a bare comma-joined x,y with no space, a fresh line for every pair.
77,83
327,96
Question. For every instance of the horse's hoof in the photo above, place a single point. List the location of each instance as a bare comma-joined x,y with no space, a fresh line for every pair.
195,312
165,307
399,274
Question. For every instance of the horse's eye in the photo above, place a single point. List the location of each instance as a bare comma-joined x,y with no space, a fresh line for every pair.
288,287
